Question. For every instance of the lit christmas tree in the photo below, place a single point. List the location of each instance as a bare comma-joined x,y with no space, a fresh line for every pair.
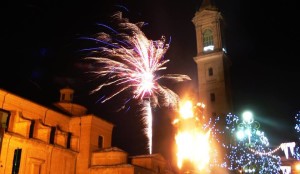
247,149
297,128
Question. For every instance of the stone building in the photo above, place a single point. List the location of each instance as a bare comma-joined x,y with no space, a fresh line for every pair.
63,139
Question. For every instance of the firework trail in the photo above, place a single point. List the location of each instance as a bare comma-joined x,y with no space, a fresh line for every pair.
130,61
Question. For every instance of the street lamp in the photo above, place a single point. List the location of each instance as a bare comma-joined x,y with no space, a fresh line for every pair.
246,127
247,117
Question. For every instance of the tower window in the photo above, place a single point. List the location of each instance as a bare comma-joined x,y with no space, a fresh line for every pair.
212,97
63,97
69,140
208,40
210,72
100,142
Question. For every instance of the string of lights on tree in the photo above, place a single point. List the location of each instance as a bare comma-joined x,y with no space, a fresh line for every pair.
248,149
297,128
214,140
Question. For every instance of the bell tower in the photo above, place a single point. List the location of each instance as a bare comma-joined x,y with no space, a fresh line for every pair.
212,62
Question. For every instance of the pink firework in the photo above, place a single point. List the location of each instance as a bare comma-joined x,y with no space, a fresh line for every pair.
131,62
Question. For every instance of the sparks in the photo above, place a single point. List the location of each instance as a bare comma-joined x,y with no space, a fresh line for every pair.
191,139
131,62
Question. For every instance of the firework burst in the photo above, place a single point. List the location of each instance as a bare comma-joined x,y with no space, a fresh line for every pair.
127,59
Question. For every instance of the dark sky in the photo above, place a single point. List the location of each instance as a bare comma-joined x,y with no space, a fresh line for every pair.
40,56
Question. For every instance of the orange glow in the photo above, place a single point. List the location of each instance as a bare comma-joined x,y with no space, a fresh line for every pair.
191,141
297,167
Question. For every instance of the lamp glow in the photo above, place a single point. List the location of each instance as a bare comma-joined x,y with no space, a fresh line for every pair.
248,117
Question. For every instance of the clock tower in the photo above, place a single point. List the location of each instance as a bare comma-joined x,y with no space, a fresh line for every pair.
212,62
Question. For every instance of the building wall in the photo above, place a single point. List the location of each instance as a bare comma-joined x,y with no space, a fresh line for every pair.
37,157
55,143
217,84
29,128
33,111
154,162
124,169
109,157
91,128
103,127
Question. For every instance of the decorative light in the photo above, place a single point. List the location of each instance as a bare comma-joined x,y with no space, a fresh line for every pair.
240,135
248,117
254,157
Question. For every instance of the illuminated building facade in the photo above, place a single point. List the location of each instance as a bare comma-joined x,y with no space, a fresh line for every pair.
212,63
63,139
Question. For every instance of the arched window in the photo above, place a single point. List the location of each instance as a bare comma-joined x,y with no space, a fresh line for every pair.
208,40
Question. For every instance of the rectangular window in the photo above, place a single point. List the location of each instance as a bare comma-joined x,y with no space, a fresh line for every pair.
31,128
210,72
212,97
4,121
4,118
63,97
16,161
69,140
100,142
52,135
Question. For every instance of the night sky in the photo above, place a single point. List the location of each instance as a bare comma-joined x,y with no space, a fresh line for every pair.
40,54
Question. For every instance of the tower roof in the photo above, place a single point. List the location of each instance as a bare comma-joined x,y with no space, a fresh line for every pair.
208,5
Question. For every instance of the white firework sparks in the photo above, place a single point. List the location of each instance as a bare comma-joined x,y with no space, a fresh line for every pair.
130,61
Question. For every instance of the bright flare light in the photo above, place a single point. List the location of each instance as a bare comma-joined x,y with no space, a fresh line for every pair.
192,142
248,117
129,61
